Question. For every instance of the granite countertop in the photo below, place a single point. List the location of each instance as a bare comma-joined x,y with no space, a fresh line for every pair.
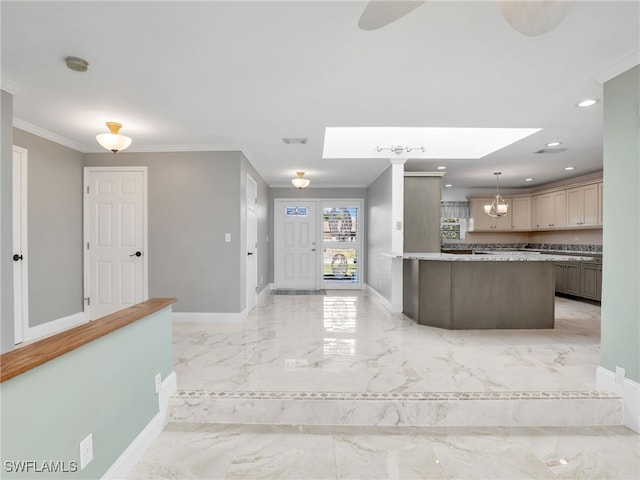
490,256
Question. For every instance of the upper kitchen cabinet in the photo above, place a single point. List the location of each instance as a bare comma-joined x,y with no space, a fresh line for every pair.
583,206
481,222
521,213
552,210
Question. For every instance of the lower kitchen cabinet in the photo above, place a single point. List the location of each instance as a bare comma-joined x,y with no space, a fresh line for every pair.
579,279
568,278
591,281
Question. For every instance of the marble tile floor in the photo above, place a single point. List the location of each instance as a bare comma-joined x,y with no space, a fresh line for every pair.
214,451
343,359
250,393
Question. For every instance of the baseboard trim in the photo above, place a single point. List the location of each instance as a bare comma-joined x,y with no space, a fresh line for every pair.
630,393
264,293
53,327
136,450
378,296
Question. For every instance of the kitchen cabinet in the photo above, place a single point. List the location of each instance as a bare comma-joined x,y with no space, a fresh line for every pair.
521,213
600,203
580,280
583,206
552,212
567,278
481,222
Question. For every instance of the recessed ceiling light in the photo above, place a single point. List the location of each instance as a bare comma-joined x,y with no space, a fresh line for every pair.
528,179
569,168
553,144
441,167
448,185
588,102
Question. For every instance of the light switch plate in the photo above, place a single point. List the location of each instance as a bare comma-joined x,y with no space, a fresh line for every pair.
620,375
227,238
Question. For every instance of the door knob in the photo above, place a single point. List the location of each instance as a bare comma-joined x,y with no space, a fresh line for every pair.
137,254
249,253
17,257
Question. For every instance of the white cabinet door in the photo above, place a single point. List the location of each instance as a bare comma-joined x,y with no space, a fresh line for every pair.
583,206
521,213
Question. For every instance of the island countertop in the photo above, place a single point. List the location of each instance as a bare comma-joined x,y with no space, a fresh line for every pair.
489,256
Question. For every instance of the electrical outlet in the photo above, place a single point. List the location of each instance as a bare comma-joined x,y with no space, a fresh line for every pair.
158,383
86,451
620,375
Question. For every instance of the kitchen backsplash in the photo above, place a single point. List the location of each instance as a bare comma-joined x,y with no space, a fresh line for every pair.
565,247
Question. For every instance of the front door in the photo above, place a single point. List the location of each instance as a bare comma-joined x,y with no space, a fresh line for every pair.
115,239
296,256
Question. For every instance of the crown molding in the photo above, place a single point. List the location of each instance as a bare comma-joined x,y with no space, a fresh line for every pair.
46,134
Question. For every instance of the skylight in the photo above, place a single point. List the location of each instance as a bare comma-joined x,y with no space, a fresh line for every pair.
438,142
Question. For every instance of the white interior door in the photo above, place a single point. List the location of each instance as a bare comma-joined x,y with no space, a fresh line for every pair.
252,242
20,257
115,238
295,249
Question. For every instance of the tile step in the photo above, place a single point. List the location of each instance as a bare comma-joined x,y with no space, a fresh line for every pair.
506,409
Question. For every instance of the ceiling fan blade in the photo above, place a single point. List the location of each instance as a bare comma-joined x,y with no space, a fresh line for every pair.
379,13
534,17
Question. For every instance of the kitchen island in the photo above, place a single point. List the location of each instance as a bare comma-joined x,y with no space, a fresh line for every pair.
481,291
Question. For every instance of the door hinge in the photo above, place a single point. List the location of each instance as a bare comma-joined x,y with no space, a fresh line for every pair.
87,189
88,246
88,300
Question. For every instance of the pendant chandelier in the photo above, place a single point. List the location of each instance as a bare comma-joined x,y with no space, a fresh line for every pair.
498,208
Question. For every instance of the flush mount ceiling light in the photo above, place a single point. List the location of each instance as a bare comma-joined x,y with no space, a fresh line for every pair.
113,141
300,182
398,149
588,102
553,144
497,208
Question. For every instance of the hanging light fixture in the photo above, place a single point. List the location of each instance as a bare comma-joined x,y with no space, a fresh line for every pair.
497,208
300,182
113,141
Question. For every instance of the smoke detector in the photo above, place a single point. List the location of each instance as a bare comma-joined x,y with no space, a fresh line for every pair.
77,64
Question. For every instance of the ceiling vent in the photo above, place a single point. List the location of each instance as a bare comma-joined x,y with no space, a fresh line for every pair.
293,141
551,150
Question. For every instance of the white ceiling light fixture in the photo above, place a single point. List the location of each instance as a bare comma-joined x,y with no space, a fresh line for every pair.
553,144
442,167
300,182
497,208
569,168
113,141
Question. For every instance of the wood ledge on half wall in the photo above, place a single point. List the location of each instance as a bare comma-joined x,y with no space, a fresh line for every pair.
32,355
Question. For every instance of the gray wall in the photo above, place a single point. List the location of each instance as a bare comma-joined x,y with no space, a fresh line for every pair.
194,199
6,228
54,212
291,192
621,233
379,234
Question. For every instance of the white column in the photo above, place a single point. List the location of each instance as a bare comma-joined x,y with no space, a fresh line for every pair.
397,230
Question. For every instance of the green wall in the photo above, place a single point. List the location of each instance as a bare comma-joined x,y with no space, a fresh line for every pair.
105,388
621,233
